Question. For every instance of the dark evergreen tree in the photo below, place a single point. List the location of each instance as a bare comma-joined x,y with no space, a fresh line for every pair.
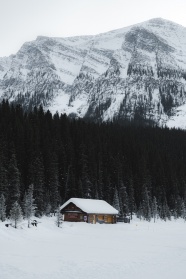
37,179
2,208
54,183
154,209
3,169
14,182
124,199
85,177
131,198
3,180
29,206
146,204
115,203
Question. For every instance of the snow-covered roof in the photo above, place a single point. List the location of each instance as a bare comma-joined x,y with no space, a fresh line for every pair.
92,206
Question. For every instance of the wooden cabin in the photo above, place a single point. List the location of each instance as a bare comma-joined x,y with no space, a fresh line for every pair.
88,210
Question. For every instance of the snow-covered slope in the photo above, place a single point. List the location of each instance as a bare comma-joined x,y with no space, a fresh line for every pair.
134,72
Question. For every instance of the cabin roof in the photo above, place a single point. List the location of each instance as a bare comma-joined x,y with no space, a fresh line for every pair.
92,206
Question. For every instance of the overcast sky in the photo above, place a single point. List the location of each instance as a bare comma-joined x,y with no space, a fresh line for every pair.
24,20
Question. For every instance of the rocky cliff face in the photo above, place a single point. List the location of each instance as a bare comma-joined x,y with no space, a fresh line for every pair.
138,71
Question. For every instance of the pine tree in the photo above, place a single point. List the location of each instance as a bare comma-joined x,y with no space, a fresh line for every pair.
131,198
116,204
58,217
124,199
146,204
16,214
14,182
178,207
100,180
37,178
67,184
183,210
2,208
85,177
3,180
3,169
154,209
53,183
29,206
165,211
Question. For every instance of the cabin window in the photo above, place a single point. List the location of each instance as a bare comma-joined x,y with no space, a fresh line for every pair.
72,215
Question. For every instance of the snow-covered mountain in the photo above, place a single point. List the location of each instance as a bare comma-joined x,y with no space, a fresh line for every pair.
137,71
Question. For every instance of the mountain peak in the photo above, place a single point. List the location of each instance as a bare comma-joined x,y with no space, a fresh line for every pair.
137,71
163,21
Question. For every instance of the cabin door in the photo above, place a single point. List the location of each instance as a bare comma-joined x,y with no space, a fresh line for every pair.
109,219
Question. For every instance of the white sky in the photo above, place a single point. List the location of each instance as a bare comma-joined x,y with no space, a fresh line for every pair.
24,20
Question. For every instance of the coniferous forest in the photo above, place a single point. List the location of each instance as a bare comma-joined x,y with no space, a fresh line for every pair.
137,169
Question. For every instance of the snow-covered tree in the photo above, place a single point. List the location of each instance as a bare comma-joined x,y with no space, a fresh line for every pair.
29,206
16,214
58,217
165,211
183,210
2,208
154,209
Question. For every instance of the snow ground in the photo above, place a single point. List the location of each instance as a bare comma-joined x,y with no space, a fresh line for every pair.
84,251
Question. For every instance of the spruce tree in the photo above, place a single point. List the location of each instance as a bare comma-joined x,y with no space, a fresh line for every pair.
3,180
154,209
84,176
16,214
124,199
131,198
37,178
165,211
3,169
100,186
53,183
146,204
14,182
2,208
29,206
116,204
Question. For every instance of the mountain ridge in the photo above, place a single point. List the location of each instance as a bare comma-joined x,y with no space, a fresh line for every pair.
135,71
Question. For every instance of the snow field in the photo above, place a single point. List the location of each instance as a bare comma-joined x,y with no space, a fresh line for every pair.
102,251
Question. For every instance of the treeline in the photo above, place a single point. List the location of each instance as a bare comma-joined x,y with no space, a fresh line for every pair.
137,169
